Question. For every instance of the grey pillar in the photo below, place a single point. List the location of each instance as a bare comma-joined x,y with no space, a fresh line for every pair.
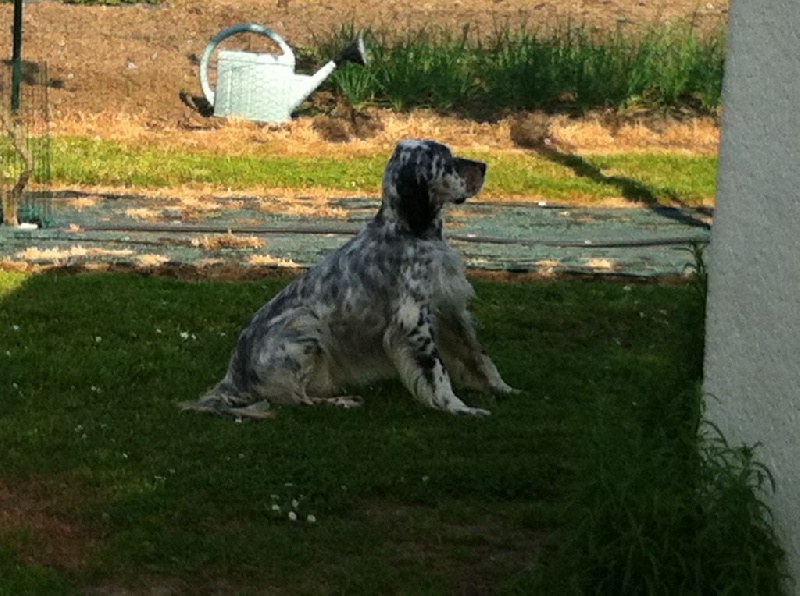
753,335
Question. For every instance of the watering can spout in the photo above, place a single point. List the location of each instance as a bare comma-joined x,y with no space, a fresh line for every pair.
306,85
353,52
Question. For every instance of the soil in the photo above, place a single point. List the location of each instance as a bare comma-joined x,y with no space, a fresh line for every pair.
118,71
39,520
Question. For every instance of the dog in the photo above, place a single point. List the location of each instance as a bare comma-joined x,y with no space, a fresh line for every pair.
391,302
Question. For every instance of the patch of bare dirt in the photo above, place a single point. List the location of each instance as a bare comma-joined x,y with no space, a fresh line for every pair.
37,520
491,548
117,71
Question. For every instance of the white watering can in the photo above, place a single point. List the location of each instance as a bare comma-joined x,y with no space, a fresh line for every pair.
264,87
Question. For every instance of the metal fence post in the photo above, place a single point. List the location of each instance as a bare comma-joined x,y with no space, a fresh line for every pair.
16,57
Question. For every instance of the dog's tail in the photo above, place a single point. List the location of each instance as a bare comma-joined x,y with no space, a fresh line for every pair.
212,402
224,400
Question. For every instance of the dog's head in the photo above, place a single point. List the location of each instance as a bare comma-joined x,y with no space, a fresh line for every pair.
421,177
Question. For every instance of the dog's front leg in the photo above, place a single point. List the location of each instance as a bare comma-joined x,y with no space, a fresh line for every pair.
409,342
464,356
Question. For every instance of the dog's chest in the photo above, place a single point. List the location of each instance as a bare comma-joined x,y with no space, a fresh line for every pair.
437,274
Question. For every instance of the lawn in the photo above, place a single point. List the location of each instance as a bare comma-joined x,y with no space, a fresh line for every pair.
587,481
638,177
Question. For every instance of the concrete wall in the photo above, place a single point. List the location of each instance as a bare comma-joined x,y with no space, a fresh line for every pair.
753,341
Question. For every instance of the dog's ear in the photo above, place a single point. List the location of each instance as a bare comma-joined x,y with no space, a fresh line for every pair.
414,205
472,172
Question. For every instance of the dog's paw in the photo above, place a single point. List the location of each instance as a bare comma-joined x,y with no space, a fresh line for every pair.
342,401
256,411
505,390
348,401
210,406
468,411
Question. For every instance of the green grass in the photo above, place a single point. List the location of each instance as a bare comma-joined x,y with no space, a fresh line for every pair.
642,177
569,68
646,177
593,477
88,161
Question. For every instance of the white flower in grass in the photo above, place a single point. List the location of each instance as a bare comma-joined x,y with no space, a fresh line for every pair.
184,335
311,518
292,516
275,507
98,339
295,503
15,327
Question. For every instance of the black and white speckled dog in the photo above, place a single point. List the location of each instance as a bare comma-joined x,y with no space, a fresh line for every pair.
390,302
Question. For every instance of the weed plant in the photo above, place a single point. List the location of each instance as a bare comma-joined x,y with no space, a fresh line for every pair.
661,503
661,512
574,68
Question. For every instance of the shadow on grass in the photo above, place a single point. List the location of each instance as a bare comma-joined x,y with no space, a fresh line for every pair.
387,498
629,188
534,133
93,366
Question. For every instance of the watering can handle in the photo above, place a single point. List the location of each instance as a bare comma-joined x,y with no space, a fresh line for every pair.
225,34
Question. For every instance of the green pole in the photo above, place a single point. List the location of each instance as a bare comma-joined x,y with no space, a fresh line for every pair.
16,56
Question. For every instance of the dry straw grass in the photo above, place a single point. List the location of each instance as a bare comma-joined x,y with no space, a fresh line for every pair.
143,214
595,133
151,260
217,241
58,254
270,261
198,199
